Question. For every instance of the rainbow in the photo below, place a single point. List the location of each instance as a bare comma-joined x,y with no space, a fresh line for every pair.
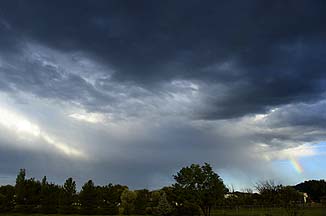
296,165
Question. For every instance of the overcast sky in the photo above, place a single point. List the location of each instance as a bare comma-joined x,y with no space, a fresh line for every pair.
131,91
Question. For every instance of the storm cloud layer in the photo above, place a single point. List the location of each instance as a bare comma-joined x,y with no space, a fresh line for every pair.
130,91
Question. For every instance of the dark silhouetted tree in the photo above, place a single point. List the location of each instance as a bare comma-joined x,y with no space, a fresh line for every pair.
6,198
33,195
314,188
49,197
88,198
269,192
27,193
67,196
20,190
109,198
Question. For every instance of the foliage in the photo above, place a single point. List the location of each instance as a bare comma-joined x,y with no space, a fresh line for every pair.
187,209
237,199
269,192
88,198
164,208
315,189
28,193
109,198
6,198
196,191
49,197
155,198
290,195
20,187
142,201
67,196
199,185
128,201
285,196
32,196
291,199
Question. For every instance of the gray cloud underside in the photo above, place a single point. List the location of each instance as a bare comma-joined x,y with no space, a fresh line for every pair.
271,53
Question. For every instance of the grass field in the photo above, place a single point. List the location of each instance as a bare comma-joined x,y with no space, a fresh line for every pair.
241,212
269,212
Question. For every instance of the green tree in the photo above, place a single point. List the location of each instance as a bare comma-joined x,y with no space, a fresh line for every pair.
109,198
67,196
6,198
128,201
199,185
153,199
28,193
164,208
32,195
142,201
20,187
49,197
88,198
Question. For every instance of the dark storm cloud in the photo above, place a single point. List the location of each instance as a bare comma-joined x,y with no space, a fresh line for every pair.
275,49
43,81
302,115
133,83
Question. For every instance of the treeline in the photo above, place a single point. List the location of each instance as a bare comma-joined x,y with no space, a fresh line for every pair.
268,194
315,189
197,190
34,196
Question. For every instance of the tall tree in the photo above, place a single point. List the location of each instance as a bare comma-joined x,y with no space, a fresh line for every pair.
33,195
88,198
67,196
27,193
49,197
199,185
20,190
164,208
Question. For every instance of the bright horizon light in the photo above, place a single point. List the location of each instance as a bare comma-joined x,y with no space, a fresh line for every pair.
25,129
